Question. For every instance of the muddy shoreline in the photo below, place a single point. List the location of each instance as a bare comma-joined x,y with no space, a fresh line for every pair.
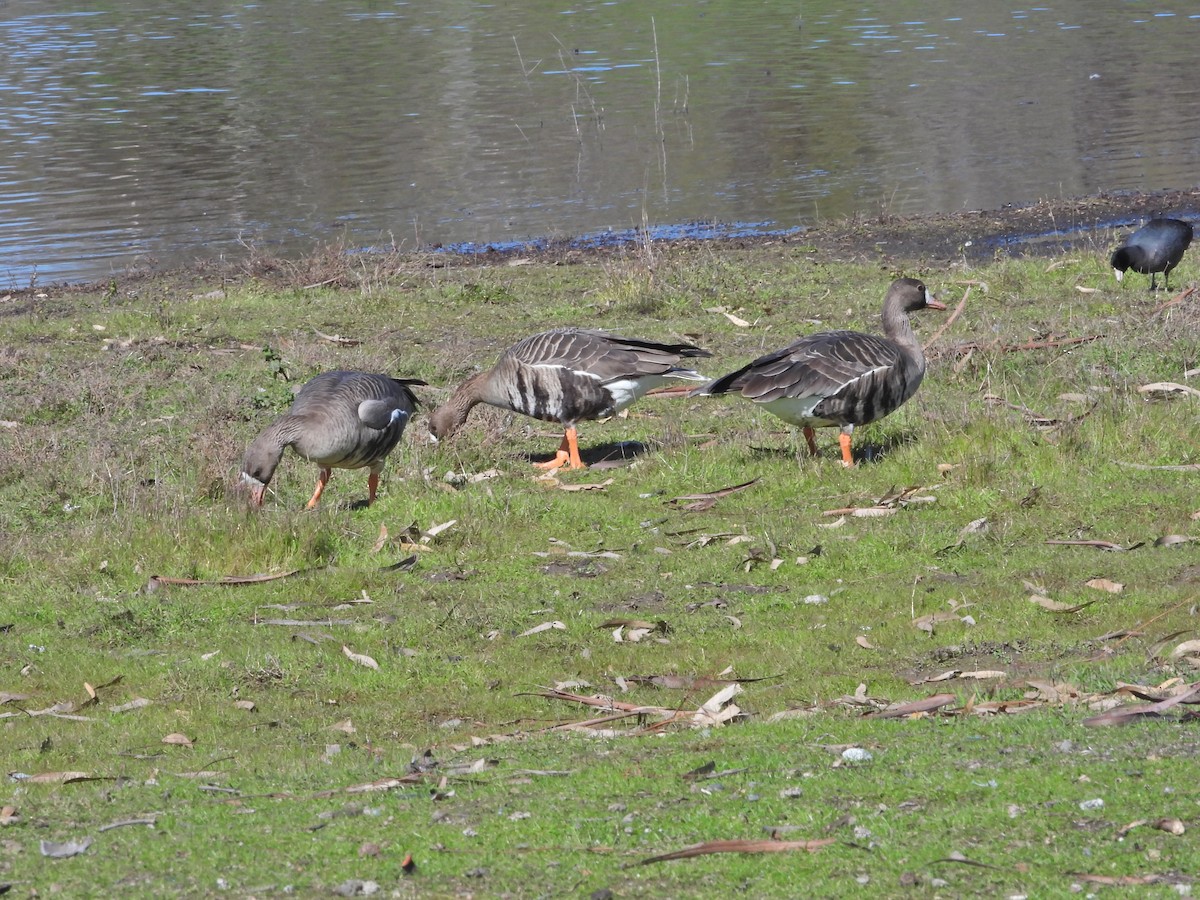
1046,228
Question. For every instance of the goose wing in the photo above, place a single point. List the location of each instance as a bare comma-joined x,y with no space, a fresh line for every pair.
600,356
819,366
352,419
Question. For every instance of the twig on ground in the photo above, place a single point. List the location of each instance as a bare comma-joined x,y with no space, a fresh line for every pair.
1178,298
1028,345
950,319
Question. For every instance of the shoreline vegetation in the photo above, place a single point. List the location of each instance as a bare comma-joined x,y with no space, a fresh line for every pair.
708,663
1041,228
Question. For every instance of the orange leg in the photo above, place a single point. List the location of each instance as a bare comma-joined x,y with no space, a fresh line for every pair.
811,438
572,439
372,487
561,457
322,480
847,456
567,453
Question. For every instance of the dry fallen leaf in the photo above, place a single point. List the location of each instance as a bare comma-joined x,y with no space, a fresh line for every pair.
724,310
1173,540
361,658
1121,880
1167,388
874,512
741,846
177,739
737,320
973,528
862,641
1103,584
56,777
247,705
381,540
978,675
718,708
434,530
136,703
156,580
345,726
1185,648
64,849
596,486
545,626
707,499
337,339
1123,715
929,623
1056,606
915,707
1170,826
371,787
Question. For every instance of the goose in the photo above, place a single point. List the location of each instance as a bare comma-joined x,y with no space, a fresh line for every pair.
343,420
567,375
840,378
1155,247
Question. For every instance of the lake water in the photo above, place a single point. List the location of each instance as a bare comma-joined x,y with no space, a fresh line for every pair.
158,134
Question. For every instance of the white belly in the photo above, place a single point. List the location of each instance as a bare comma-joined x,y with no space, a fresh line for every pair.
797,411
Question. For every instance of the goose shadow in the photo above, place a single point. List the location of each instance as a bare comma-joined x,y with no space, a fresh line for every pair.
864,452
612,455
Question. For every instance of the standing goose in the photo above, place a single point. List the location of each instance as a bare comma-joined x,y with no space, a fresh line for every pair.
567,375
842,378
344,420
1155,247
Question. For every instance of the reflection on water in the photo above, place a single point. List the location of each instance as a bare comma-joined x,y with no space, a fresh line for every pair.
135,135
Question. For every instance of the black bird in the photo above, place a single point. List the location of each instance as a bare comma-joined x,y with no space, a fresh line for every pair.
840,378
1155,247
344,420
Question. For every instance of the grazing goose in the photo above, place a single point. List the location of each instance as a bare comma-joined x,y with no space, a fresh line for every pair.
1155,247
344,420
842,378
567,375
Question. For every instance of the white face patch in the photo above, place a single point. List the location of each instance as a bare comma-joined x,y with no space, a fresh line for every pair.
1119,273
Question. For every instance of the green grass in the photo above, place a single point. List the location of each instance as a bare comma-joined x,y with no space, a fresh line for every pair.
119,464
